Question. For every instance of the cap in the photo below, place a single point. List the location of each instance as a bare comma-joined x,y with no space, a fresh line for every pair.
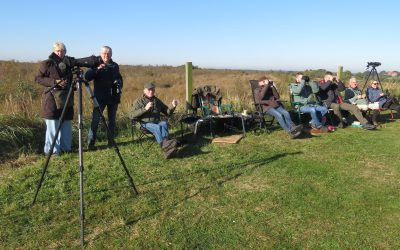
149,85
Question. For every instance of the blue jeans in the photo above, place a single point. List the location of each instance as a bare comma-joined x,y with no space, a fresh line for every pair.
111,114
282,116
159,130
313,111
64,138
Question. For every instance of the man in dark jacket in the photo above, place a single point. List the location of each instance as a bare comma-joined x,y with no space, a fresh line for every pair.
55,74
329,95
267,96
148,109
108,85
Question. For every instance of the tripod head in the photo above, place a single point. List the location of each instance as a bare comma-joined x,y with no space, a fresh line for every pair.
373,64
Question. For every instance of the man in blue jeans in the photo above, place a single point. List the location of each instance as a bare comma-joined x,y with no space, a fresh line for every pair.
267,96
148,109
108,85
303,91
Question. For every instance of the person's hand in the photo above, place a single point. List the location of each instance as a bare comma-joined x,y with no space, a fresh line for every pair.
148,106
359,97
101,66
381,94
174,103
61,83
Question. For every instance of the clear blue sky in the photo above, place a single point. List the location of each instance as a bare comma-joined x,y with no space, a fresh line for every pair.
252,34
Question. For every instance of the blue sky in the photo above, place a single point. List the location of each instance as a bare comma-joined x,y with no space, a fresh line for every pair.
263,35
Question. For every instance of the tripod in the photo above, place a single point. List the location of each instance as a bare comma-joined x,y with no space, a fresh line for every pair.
372,73
78,81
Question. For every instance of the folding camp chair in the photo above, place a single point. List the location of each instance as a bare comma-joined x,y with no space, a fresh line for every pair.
140,133
259,116
379,110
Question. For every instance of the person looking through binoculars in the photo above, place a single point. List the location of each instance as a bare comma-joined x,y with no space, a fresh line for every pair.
108,85
329,95
268,97
55,74
303,90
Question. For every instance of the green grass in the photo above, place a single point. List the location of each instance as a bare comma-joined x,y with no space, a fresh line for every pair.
336,191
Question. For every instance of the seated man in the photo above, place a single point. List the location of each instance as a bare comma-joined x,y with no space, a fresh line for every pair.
148,109
267,96
303,90
384,101
329,94
353,95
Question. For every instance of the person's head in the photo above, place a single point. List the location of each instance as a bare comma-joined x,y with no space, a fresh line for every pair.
298,76
106,54
149,89
374,84
328,76
353,83
262,80
59,49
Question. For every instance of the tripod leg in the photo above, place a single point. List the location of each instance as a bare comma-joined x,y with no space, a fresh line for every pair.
103,119
53,143
80,127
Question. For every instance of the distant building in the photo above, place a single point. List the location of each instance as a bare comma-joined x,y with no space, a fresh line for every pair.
392,73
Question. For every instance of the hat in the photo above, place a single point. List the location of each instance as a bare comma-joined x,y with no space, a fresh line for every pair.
149,85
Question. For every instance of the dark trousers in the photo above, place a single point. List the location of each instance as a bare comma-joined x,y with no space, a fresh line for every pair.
348,107
111,113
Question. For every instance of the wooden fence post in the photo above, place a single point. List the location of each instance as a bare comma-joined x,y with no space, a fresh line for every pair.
189,81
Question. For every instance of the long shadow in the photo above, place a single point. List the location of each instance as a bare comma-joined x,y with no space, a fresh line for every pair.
242,167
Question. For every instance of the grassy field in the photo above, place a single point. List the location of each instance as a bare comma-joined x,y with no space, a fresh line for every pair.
340,190
336,191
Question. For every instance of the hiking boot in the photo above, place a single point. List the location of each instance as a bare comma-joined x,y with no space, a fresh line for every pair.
317,132
294,133
167,143
169,151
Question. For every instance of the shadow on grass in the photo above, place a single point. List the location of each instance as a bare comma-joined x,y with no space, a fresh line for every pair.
240,169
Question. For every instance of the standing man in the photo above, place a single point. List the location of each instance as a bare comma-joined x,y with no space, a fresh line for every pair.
108,85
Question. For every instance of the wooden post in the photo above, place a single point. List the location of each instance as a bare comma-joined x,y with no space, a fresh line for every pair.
189,81
340,72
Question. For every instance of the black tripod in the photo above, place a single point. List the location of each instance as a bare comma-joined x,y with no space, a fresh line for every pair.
373,72
77,82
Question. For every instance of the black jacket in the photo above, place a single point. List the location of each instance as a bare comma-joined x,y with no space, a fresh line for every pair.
108,83
329,92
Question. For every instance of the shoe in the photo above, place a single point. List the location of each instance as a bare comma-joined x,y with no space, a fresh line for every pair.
169,151
341,125
167,143
368,126
330,128
294,134
91,147
316,132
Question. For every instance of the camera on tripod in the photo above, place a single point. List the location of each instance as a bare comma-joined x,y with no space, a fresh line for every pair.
373,64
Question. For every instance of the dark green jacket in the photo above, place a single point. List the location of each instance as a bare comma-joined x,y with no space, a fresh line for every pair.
152,115
303,92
